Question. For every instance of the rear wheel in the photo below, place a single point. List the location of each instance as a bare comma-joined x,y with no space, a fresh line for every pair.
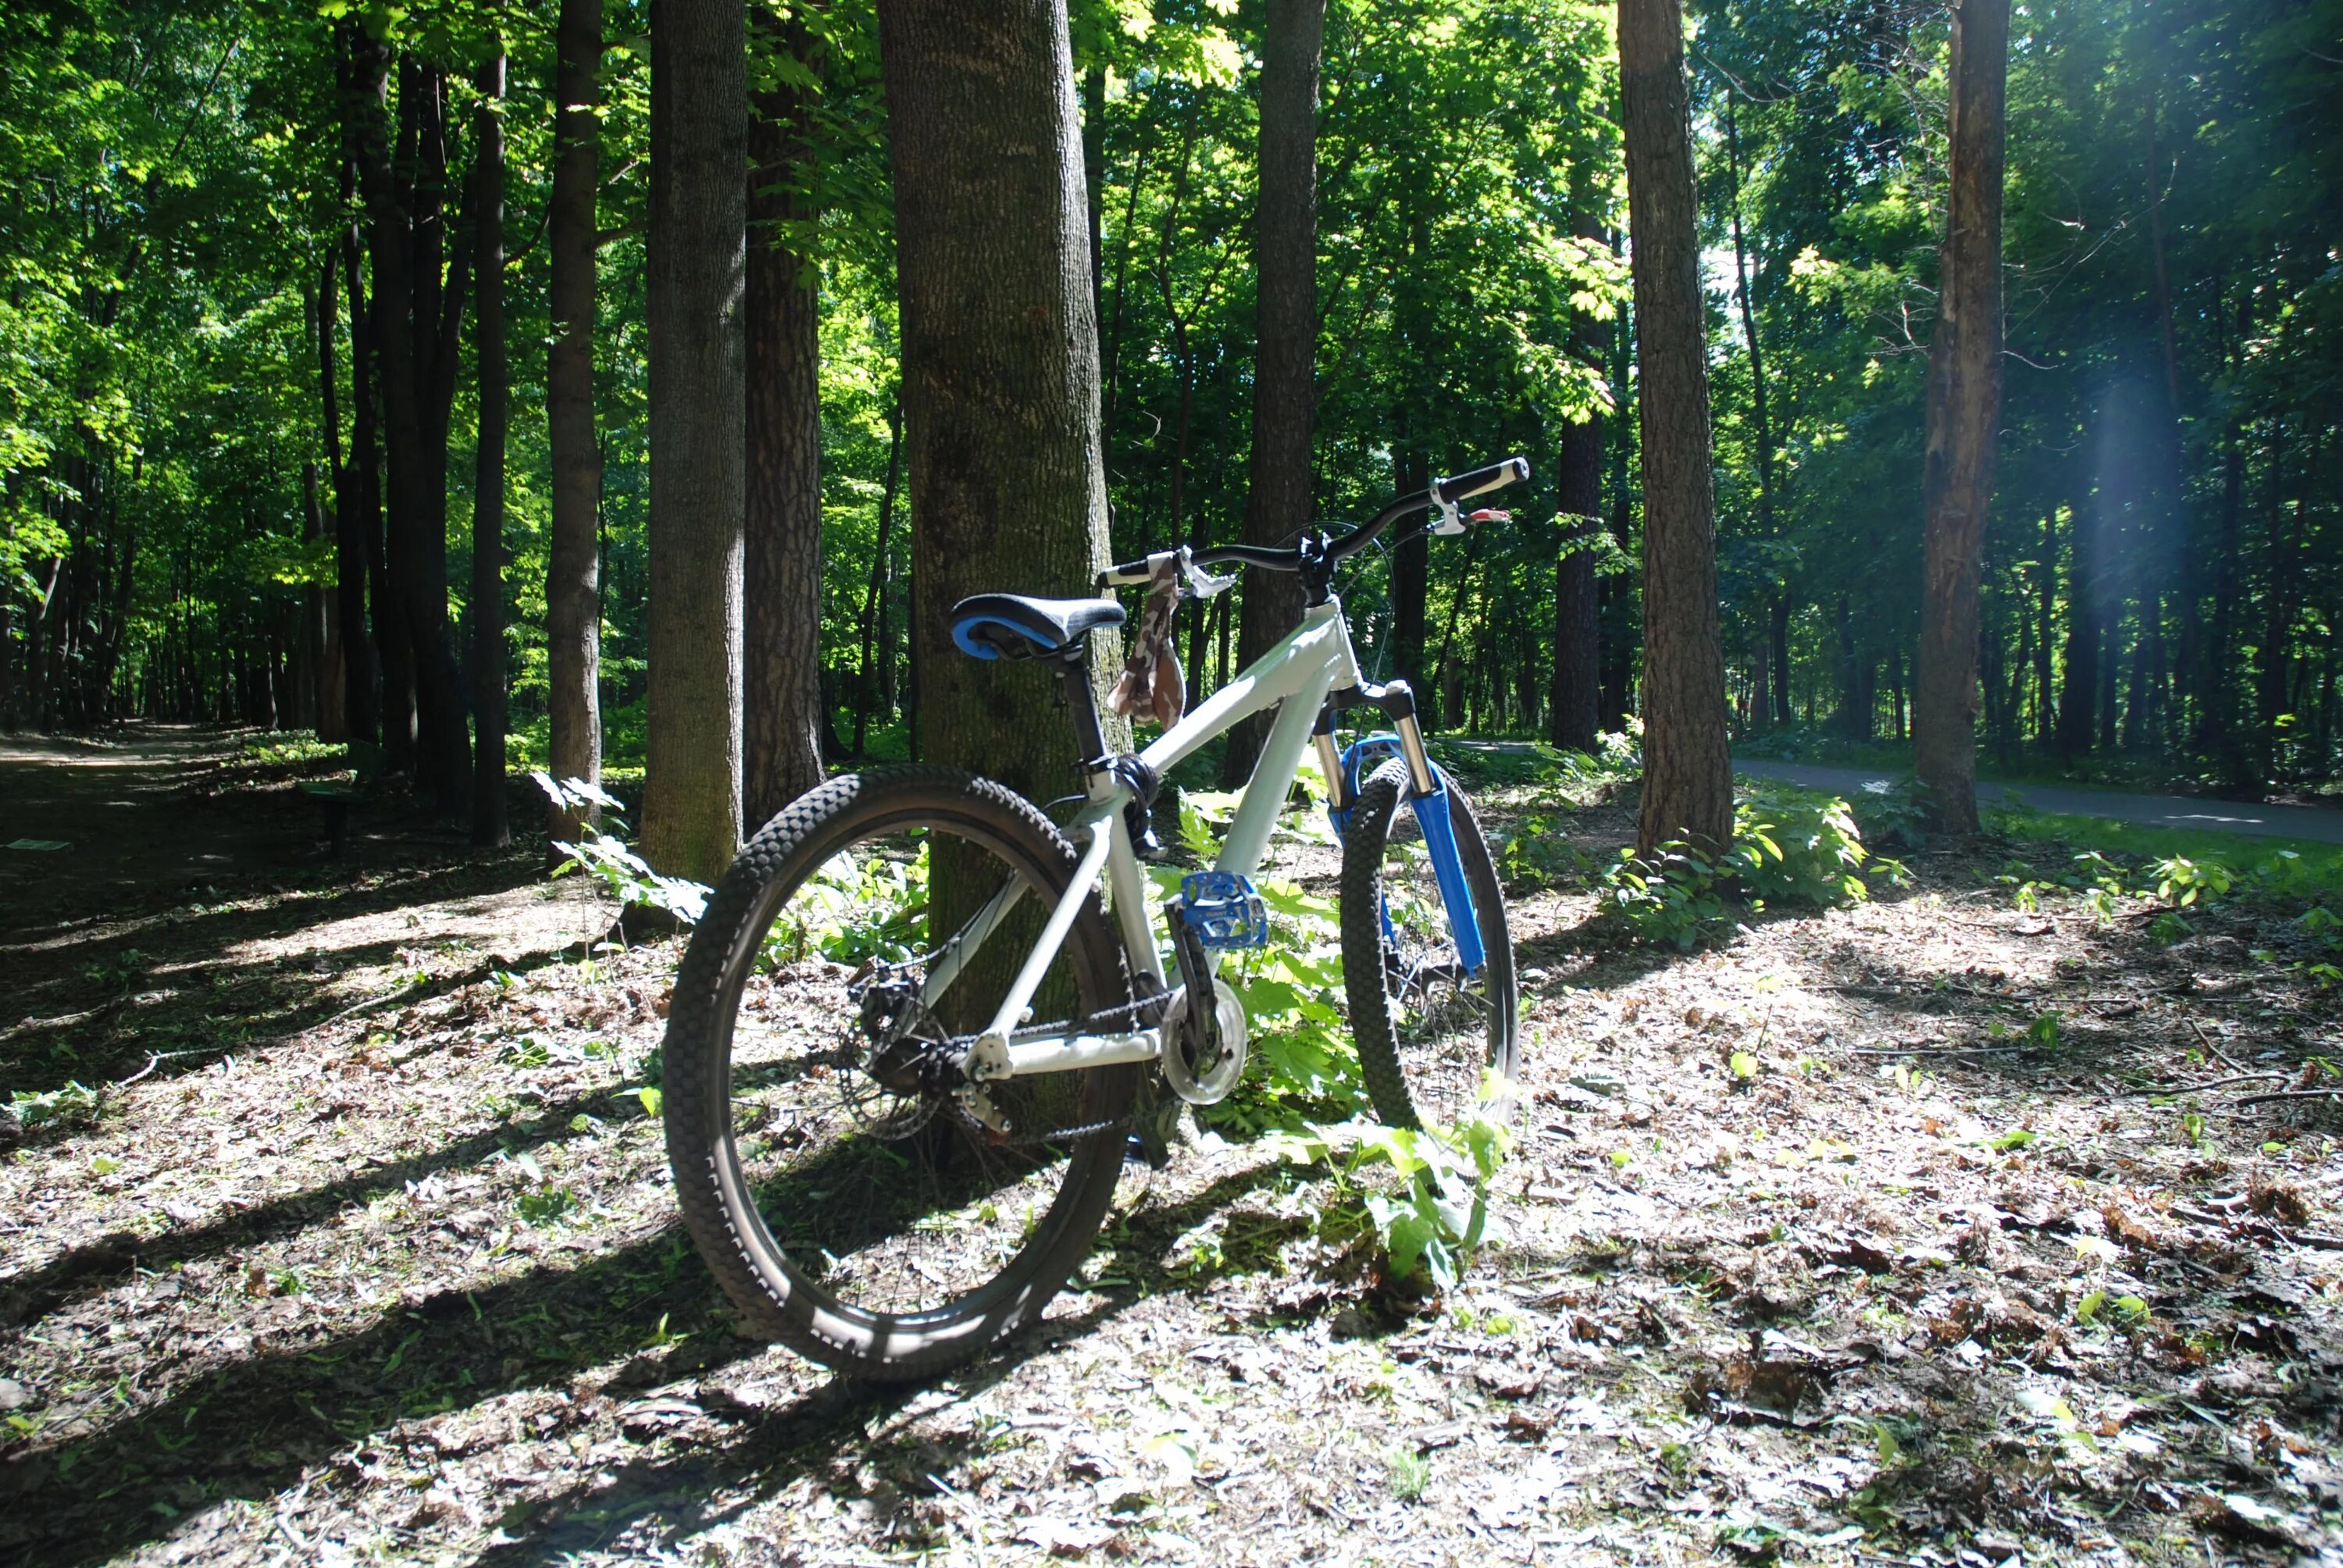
1426,1030
849,1203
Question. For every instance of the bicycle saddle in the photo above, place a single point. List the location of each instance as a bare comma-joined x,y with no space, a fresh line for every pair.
999,625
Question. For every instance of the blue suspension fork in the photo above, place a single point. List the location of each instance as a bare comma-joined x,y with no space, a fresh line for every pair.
1431,806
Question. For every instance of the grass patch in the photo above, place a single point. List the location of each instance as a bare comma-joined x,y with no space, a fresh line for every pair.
2286,868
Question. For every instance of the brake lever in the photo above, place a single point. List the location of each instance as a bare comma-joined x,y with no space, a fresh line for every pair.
1490,514
1447,524
1202,584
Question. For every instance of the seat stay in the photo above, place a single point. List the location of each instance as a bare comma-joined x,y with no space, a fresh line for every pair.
967,941
1045,947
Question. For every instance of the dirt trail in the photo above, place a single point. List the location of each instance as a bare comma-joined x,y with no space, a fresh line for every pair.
139,812
2311,824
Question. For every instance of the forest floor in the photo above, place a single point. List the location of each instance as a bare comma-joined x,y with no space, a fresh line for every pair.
363,1248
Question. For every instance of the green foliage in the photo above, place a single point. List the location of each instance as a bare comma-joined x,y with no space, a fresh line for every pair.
1790,846
1432,1210
853,909
1667,901
71,1105
1797,848
624,875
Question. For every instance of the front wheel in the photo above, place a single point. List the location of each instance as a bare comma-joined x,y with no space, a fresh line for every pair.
1426,1027
850,1202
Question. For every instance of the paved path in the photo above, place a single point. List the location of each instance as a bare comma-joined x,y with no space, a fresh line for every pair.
2315,824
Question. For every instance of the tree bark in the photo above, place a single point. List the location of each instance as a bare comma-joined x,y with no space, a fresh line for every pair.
1574,700
876,676
367,109
1964,421
699,241
1284,384
346,656
2079,701
1687,765
784,711
1574,707
1001,375
1765,429
490,828
443,749
310,646
573,587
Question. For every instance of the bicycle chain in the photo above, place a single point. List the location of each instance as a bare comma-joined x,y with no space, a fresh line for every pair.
1091,1024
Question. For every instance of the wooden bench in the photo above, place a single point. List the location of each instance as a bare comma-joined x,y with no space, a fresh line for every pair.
338,795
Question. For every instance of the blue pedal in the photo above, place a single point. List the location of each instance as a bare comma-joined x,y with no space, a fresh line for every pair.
1223,910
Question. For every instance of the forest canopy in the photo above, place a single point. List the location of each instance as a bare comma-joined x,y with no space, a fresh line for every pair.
241,356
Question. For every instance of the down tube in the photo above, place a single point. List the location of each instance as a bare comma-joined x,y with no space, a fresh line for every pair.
1280,759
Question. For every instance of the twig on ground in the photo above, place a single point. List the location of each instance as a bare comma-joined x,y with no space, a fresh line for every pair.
2206,1041
126,1083
2299,1238
2291,1094
2210,1083
1936,1050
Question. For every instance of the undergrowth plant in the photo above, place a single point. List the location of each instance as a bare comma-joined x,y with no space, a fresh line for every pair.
1789,845
1418,1200
1431,1213
624,875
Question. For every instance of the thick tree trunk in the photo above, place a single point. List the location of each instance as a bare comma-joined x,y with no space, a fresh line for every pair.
699,241
782,724
1284,384
1687,763
489,827
573,591
1000,377
1964,420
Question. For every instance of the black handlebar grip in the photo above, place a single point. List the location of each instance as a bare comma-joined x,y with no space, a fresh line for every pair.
1495,477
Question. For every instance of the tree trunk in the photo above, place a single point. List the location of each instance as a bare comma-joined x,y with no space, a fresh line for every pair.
1410,586
1576,699
699,241
489,827
1687,763
784,711
877,671
345,645
1765,429
1964,421
1000,377
443,750
2079,701
1284,384
309,648
573,586
372,375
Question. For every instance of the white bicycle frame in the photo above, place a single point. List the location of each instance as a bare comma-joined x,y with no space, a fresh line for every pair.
1295,677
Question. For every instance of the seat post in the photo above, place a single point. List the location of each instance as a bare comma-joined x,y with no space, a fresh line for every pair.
1081,701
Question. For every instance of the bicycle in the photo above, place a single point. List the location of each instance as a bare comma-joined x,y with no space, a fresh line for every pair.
886,1162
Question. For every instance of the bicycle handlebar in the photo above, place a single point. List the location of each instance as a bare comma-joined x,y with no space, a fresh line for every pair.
1446,492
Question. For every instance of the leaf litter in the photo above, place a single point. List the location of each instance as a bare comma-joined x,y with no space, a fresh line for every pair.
1816,1248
